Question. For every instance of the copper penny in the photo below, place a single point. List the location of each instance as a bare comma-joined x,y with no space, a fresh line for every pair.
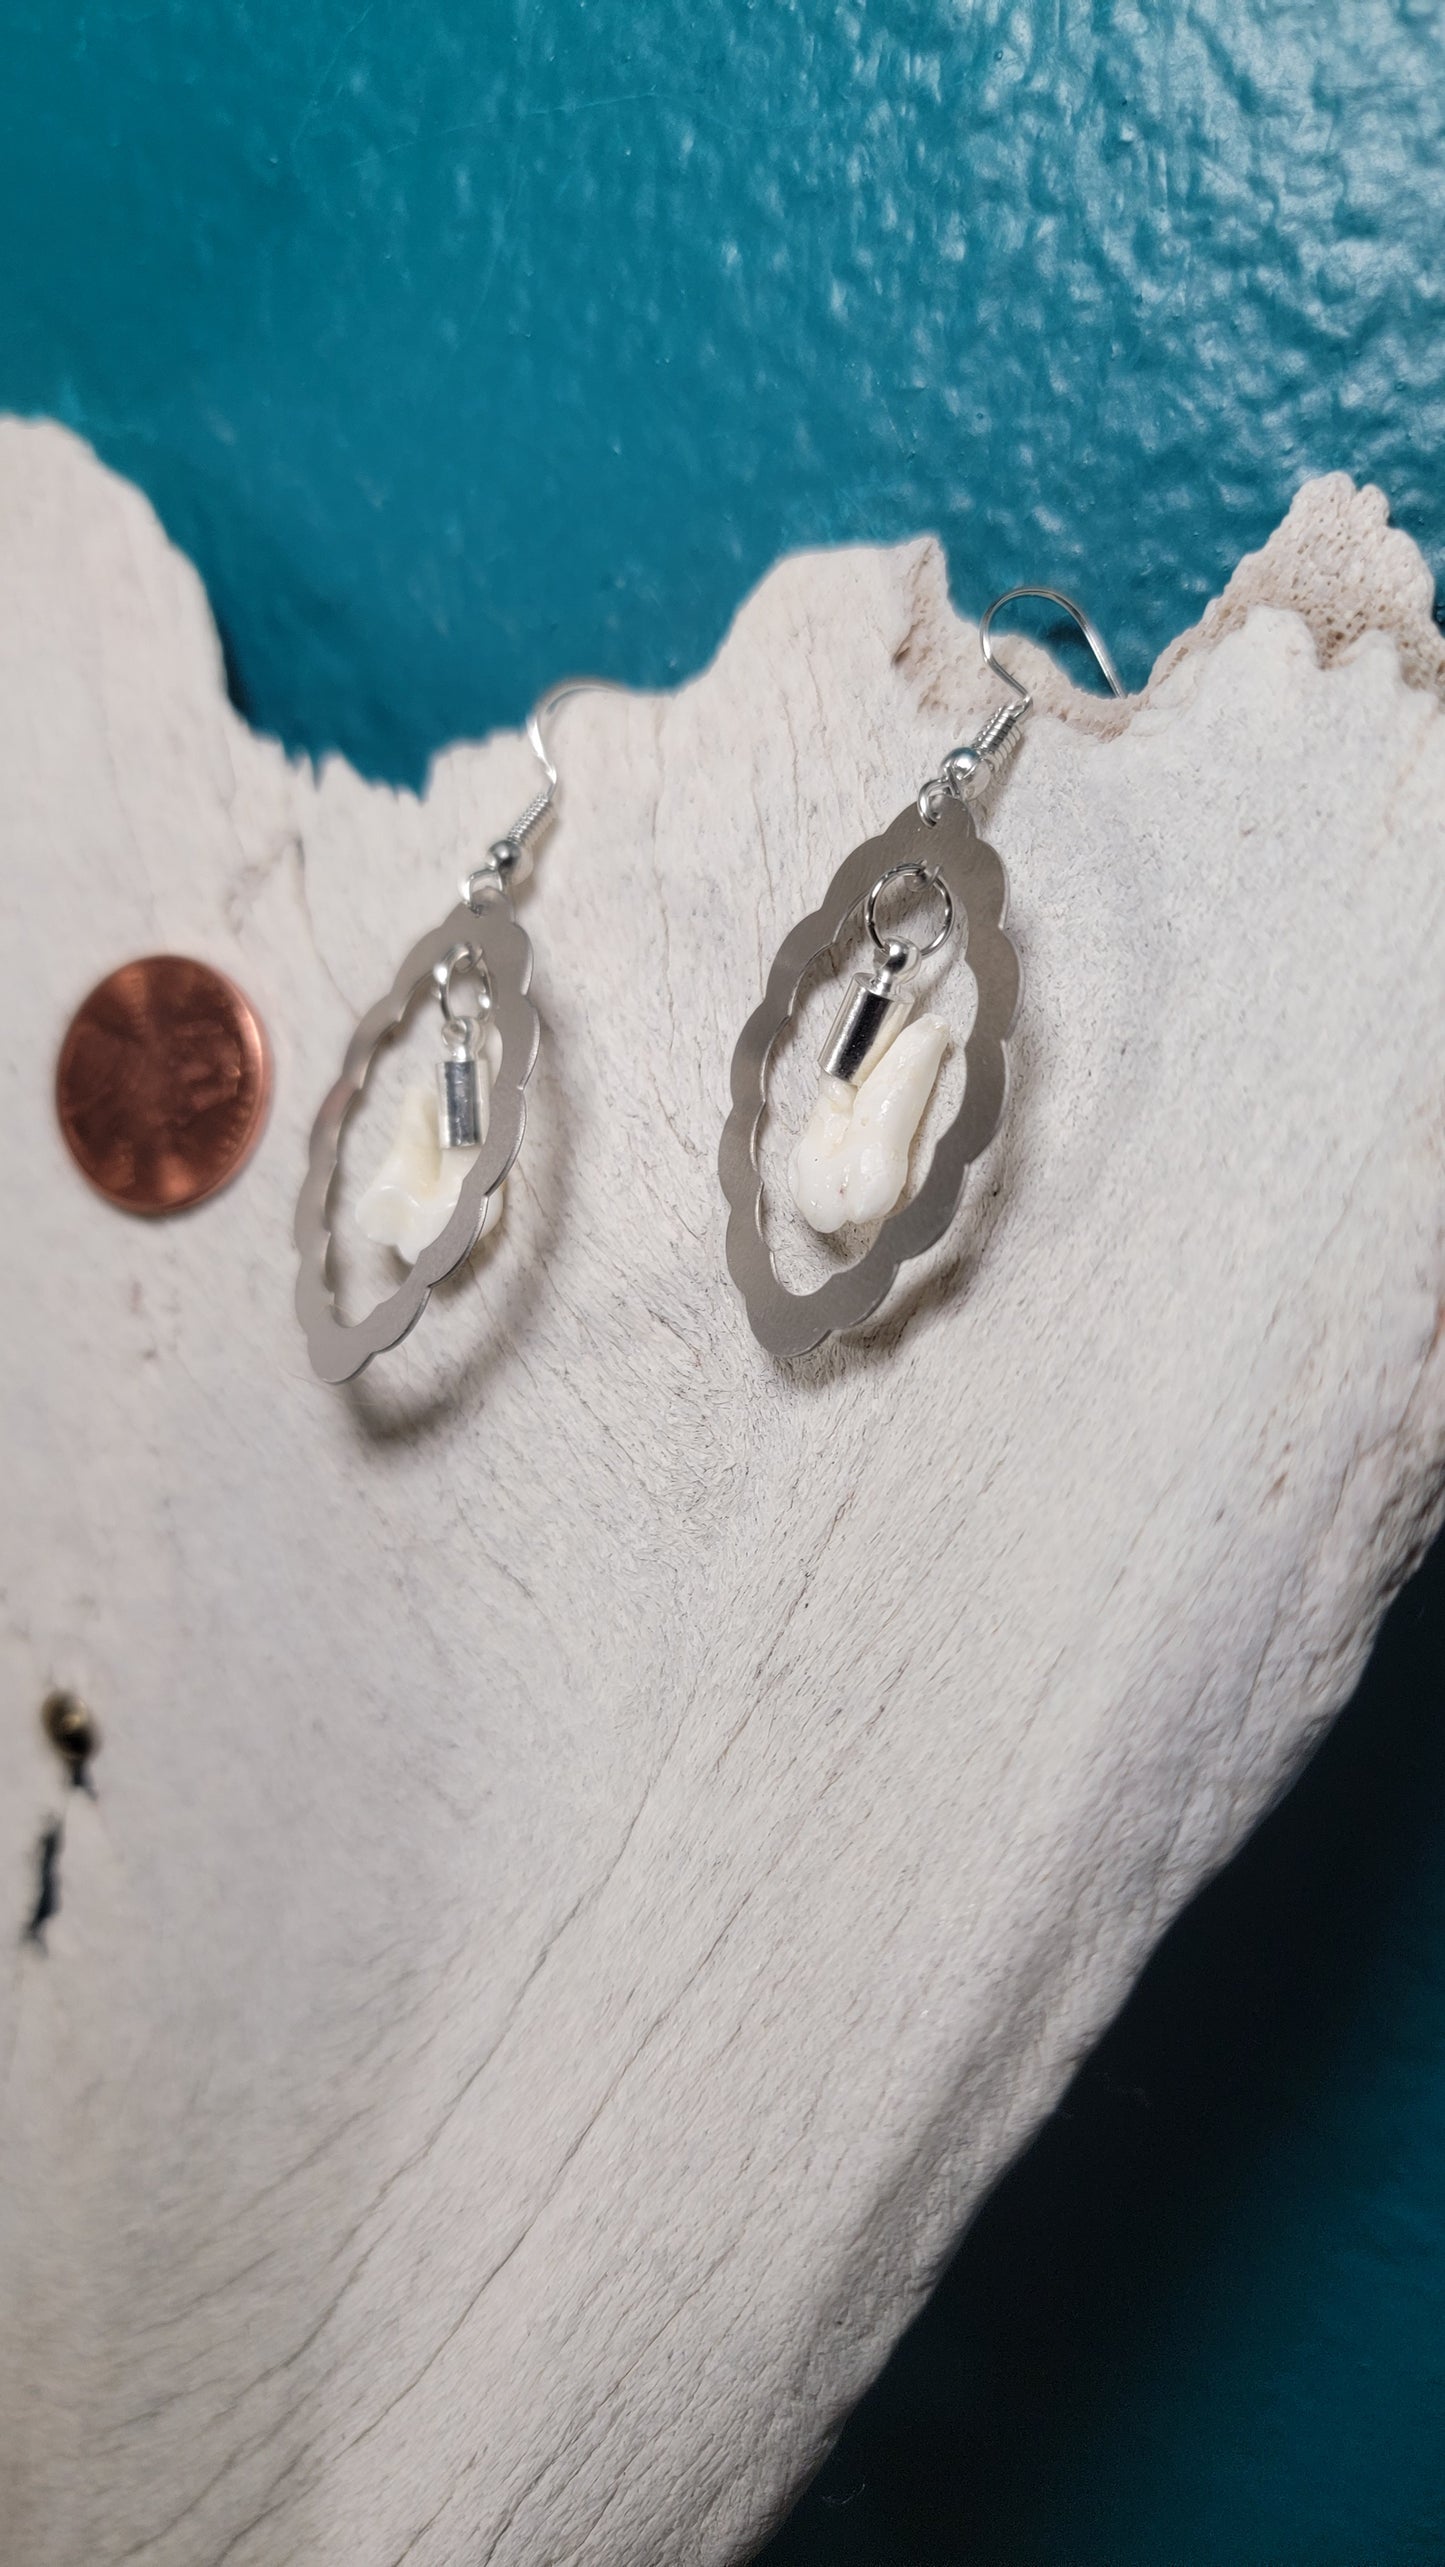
162,1083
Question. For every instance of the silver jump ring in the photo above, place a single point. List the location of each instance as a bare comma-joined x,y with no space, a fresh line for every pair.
920,873
486,883
459,961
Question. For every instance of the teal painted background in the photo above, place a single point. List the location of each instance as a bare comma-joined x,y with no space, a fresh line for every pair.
462,342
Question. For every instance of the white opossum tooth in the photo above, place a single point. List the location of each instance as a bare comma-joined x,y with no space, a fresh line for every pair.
414,1192
850,1161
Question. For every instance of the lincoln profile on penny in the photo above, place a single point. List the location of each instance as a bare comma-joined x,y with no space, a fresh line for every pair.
162,1083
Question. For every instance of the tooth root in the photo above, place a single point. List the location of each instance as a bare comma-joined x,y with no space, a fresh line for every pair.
850,1161
414,1192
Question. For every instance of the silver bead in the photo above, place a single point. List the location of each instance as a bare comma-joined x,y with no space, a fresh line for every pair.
959,768
511,859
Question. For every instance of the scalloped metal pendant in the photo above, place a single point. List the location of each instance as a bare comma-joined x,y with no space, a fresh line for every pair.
486,931
950,853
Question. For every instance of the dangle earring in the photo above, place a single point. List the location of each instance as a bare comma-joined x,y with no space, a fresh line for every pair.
440,1186
877,1069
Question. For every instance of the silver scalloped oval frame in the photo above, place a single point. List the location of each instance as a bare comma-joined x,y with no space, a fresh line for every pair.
339,1347
792,1323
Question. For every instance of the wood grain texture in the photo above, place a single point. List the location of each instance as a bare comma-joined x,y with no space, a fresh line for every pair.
603,1848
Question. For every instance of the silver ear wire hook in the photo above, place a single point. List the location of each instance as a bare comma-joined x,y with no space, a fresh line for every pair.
1103,657
963,764
509,858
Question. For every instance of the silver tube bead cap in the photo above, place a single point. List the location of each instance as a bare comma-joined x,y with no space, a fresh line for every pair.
872,1014
459,1103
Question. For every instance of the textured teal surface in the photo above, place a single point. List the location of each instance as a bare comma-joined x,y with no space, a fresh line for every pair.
464,341
461,343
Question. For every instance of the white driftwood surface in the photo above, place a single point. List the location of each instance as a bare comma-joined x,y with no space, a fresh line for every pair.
603,1847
